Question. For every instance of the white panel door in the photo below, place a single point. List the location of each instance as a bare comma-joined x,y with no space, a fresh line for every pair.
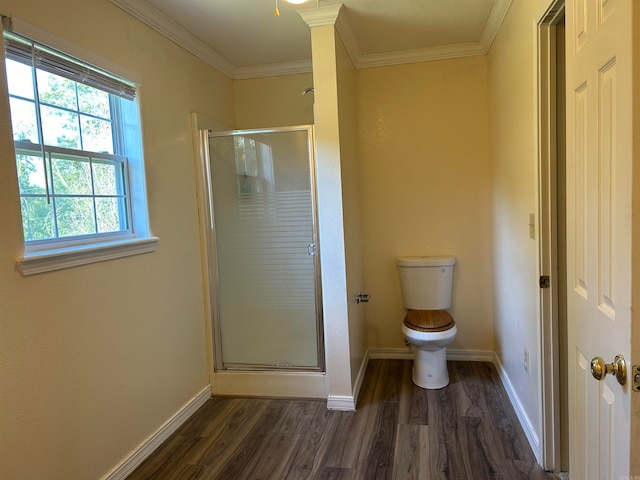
598,232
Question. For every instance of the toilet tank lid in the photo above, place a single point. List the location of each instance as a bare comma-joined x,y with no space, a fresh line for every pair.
426,261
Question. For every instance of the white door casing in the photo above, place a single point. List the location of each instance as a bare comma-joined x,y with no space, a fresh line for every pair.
599,161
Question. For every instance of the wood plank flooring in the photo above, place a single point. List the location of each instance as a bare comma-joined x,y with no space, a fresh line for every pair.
467,430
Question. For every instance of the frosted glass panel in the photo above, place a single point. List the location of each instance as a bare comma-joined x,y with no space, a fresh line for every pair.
264,230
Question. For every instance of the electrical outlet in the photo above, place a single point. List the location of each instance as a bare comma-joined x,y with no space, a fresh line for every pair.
526,360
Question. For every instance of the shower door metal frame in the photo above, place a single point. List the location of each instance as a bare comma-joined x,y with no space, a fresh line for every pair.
214,281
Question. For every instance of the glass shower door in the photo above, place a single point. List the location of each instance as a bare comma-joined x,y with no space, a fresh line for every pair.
268,300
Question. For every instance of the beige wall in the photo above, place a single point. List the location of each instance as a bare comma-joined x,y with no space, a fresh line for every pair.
513,150
425,184
350,172
96,358
273,101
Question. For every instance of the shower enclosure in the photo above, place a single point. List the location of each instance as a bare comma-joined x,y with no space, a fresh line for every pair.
264,267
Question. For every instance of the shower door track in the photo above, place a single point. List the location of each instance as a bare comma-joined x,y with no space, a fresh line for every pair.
248,367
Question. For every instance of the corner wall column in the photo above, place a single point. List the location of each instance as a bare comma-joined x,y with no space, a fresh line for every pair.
330,211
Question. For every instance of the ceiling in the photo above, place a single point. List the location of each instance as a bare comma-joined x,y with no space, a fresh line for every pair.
244,38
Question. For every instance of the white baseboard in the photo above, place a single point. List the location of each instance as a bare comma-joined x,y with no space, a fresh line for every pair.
390,353
471,355
529,431
336,402
146,448
341,402
360,377
406,353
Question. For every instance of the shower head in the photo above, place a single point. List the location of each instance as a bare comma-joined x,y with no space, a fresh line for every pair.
307,90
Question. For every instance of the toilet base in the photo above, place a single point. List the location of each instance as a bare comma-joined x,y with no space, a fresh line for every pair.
430,369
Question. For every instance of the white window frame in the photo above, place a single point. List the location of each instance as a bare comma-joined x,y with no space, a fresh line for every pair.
56,255
52,153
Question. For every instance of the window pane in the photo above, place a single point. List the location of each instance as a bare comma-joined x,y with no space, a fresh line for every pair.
93,101
96,135
56,90
69,193
31,176
23,120
71,176
75,216
19,79
246,156
112,215
60,128
108,178
37,218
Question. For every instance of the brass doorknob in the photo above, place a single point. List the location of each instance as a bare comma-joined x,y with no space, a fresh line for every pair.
599,369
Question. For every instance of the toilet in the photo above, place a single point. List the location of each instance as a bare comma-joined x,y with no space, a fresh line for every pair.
426,284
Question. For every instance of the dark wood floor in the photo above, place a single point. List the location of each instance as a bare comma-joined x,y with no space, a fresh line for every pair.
467,430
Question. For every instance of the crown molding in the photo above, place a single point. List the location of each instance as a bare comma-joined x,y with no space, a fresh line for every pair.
421,55
348,38
273,69
314,17
334,15
157,20
494,22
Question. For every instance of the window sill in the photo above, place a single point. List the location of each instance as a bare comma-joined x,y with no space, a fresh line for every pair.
48,261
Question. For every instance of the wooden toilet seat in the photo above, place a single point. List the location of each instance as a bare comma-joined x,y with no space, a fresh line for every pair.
429,320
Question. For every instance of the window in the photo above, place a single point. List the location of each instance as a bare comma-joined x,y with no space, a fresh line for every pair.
77,141
254,165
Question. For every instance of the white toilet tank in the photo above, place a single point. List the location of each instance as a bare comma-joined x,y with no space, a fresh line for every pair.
426,282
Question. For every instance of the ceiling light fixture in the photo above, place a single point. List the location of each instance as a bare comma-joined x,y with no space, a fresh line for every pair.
294,2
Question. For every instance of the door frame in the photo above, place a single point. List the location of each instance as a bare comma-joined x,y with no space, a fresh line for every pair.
551,446
634,444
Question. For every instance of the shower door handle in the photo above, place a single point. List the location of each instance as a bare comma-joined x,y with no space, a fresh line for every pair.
311,248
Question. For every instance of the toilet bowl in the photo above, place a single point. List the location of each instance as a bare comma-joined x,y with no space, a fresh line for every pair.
427,284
